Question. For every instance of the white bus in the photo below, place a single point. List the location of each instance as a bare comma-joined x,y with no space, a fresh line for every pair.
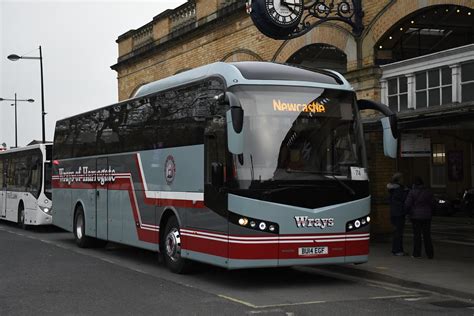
25,185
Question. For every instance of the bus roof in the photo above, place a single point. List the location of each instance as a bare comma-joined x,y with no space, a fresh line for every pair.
25,148
255,73
243,73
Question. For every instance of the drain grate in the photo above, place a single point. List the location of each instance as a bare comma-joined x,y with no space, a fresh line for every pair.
452,304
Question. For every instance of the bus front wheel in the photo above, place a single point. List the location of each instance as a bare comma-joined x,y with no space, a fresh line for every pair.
80,229
171,248
21,216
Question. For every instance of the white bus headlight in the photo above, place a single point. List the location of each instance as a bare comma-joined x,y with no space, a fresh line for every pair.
45,209
243,221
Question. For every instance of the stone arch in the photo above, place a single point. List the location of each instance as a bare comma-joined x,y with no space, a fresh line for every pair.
241,54
393,13
327,33
136,89
314,56
182,70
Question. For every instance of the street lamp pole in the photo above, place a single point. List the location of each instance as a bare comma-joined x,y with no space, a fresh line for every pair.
43,113
16,121
16,125
14,57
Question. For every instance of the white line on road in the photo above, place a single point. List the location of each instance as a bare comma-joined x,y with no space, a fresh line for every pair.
414,299
268,306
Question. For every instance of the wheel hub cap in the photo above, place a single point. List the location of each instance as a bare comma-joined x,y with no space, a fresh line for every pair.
173,244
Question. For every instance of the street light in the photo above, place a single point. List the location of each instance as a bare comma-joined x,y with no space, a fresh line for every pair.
14,57
14,104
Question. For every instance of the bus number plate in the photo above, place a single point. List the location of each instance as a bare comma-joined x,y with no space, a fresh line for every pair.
312,251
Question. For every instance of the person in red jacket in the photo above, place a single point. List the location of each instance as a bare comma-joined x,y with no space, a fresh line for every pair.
419,204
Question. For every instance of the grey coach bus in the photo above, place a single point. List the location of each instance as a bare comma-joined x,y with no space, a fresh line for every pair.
239,165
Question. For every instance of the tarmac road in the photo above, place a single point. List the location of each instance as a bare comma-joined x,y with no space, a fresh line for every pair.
43,272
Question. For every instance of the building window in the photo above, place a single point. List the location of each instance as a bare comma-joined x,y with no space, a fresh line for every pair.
438,165
433,87
398,93
467,82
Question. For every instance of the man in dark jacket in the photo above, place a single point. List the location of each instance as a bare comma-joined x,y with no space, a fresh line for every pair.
419,204
398,194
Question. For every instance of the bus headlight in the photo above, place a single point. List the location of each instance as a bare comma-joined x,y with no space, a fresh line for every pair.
261,225
46,210
357,223
243,221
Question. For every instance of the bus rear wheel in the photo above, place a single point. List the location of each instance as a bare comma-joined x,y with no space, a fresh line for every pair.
171,248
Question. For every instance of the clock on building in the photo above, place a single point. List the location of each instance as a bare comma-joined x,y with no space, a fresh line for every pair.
276,18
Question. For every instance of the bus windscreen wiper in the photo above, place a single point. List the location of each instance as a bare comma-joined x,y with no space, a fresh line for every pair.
348,188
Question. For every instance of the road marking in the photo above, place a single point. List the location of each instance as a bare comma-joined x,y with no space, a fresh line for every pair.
413,299
268,311
390,297
391,288
236,300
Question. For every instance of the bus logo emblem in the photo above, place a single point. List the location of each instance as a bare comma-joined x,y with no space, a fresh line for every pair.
170,169
305,221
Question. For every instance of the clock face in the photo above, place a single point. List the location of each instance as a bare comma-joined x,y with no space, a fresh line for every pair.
284,12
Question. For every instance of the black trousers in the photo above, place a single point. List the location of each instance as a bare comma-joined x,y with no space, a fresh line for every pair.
398,223
422,229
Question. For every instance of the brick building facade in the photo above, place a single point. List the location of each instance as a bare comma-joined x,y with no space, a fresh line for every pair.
205,31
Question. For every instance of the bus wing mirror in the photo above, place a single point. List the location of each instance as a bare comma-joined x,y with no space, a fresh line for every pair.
390,142
389,125
217,174
235,124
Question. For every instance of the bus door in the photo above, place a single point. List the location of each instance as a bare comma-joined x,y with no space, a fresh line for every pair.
213,217
101,204
3,188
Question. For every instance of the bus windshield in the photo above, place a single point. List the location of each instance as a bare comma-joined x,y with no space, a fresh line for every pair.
299,133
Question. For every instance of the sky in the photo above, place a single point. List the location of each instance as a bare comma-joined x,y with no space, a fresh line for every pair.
78,45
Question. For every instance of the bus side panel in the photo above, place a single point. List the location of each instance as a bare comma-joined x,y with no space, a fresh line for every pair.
129,227
31,207
86,197
63,209
12,206
118,203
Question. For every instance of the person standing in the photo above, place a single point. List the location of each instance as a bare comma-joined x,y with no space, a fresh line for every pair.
398,194
419,204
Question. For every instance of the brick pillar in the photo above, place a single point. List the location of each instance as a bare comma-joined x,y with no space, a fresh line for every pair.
381,169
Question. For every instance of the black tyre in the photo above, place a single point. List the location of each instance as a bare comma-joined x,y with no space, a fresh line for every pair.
171,248
21,217
79,228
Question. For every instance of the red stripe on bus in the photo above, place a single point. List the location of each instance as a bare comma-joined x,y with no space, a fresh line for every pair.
275,250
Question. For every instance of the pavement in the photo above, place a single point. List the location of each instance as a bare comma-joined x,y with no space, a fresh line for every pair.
451,272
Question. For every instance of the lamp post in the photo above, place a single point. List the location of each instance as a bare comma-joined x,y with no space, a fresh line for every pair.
14,57
16,121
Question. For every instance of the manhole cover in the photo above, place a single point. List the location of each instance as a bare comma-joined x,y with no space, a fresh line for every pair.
452,304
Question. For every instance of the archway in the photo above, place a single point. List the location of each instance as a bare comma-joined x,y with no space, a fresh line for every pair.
323,56
425,31
241,55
